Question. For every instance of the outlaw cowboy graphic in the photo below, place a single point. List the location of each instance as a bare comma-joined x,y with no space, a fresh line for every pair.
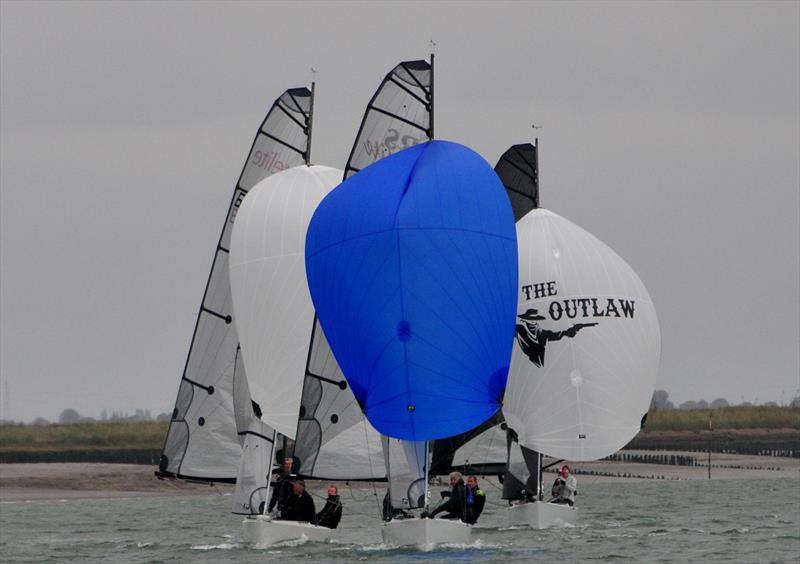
532,338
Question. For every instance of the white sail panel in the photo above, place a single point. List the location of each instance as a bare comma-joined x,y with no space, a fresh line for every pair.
487,449
271,302
252,487
353,454
406,461
587,345
334,441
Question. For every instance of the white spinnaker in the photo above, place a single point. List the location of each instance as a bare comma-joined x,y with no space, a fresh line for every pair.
271,301
593,387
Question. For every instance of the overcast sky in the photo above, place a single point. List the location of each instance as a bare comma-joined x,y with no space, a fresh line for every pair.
671,131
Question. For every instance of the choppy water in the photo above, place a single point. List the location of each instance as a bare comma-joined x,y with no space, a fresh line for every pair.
730,521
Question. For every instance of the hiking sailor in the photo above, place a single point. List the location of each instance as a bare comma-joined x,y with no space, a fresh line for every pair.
455,506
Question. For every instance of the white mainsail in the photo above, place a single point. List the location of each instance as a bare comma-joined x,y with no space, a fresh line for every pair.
588,344
271,302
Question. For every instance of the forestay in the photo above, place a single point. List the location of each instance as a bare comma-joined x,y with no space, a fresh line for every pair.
202,442
587,343
412,269
273,307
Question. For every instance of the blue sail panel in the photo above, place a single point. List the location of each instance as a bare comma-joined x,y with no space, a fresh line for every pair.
412,267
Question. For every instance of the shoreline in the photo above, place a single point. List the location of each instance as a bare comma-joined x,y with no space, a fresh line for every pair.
24,482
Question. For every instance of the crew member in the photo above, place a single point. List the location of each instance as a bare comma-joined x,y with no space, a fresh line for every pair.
331,514
299,506
474,500
565,487
456,500
282,482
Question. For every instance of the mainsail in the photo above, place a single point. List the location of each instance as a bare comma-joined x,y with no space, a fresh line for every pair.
334,440
518,169
203,442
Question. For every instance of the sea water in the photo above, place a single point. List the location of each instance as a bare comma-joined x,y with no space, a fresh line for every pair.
680,521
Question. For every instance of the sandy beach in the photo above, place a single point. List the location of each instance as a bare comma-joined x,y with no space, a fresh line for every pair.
49,481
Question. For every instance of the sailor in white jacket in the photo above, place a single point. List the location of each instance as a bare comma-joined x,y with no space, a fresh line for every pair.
565,487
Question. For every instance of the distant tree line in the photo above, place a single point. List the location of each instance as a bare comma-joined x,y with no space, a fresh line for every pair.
661,401
70,416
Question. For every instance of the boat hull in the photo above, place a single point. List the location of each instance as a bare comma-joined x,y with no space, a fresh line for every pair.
425,533
541,515
264,531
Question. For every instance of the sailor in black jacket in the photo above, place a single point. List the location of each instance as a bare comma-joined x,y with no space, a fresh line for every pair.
331,514
456,502
299,506
281,485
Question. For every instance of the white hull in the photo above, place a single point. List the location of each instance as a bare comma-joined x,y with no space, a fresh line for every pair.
541,515
264,531
425,533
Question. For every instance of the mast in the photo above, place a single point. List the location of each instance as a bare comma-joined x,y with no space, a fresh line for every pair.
430,100
310,125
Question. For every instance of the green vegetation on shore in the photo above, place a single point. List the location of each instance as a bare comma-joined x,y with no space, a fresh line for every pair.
724,418
94,436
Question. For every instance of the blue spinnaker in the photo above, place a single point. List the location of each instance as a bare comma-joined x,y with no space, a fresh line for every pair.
412,267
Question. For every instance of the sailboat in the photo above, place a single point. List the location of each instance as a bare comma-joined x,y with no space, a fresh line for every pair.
386,320
222,418
586,353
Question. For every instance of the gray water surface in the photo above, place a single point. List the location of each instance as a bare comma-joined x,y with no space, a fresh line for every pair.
716,521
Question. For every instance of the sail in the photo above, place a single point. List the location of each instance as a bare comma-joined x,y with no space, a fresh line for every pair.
202,441
412,268
257,440
271,301
518,169
397,117
252,485
587,343
406,461
523,469
334,440
481,450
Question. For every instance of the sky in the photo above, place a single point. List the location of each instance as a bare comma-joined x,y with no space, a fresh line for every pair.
669,130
